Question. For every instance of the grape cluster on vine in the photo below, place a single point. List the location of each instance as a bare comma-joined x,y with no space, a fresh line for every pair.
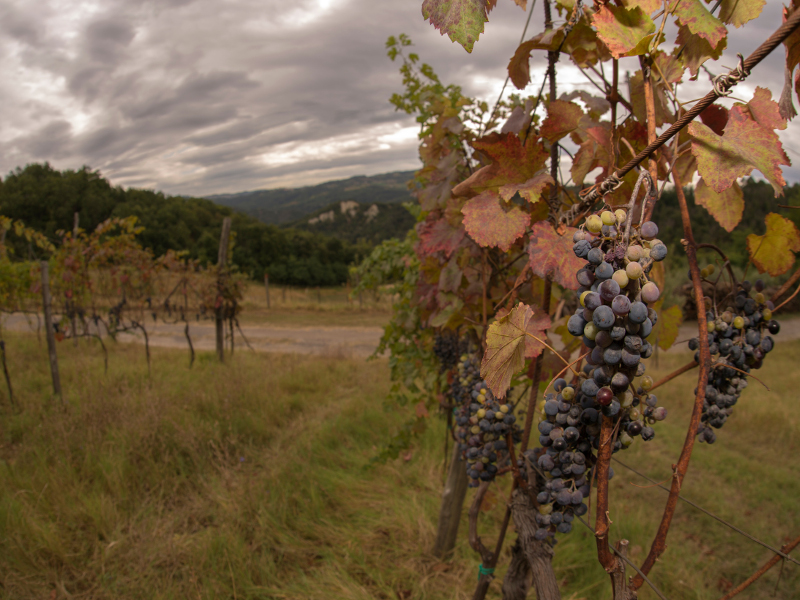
738,340
483,423
446,348
614,321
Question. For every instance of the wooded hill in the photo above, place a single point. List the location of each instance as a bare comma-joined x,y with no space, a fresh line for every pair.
289,205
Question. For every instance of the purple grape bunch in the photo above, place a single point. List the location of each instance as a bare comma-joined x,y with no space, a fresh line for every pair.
739,338
483,424
614,320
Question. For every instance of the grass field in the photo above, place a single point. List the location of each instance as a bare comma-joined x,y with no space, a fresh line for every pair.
248,480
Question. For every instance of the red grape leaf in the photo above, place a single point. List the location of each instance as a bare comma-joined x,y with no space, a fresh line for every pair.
625,32
551,253
507,346
489,224
531,190
438,236
648,6
461,20
512,162
697,50
562,119
715,117
726,207
792,42
519,70
739,12
593,153
765,110
700,21
774,251
597,106
745,145
670,67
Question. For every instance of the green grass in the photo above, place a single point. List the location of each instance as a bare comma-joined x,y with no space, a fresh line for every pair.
247,481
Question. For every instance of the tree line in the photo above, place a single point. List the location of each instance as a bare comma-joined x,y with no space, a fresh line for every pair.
46,200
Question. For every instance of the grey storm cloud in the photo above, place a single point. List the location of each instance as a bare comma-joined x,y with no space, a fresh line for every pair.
202,96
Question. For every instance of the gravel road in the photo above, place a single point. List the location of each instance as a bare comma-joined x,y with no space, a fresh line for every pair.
350,342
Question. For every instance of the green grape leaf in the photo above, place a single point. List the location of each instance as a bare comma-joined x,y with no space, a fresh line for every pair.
739,12
774,251
765,110
697,50
507,346
551,254
562,119
666,329
450,276
531,190
461,20
745,145
699,21
625,32
726,207
490,224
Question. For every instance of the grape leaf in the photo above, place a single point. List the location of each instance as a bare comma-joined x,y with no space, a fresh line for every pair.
697,50
765,111
461,20
593,152
450,277
636,87
597,106
512,162
792,42
562,119
625,32
774,251
551,254
715,117
726,207
666,329
531,190
739,12
648,6
669,66
699,21
438,236
490,224
507,346
745,145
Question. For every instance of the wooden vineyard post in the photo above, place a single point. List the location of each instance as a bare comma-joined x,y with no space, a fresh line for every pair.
455,490
76,219
48,323
222,267
266,287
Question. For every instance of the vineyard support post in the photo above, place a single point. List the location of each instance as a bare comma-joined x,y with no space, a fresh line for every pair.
76,219
455,490
266,287
48,323
222,264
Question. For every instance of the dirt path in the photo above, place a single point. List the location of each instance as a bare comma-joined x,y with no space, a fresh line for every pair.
355,342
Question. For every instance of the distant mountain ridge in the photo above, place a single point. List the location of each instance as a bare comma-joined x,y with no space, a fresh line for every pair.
355,222
288,205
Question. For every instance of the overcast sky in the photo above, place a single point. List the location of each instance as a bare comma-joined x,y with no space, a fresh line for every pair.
209,96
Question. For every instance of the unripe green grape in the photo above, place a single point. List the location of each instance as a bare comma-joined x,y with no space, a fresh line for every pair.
647,383
590,331
760,298
568,393
625,399
766,314
625,439
608,217
738,322
545,509
583,297
621,277
594,223
621,215
634,252
504,408
712,327
633,270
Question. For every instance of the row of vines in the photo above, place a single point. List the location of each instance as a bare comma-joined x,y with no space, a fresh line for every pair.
101,284
529,295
